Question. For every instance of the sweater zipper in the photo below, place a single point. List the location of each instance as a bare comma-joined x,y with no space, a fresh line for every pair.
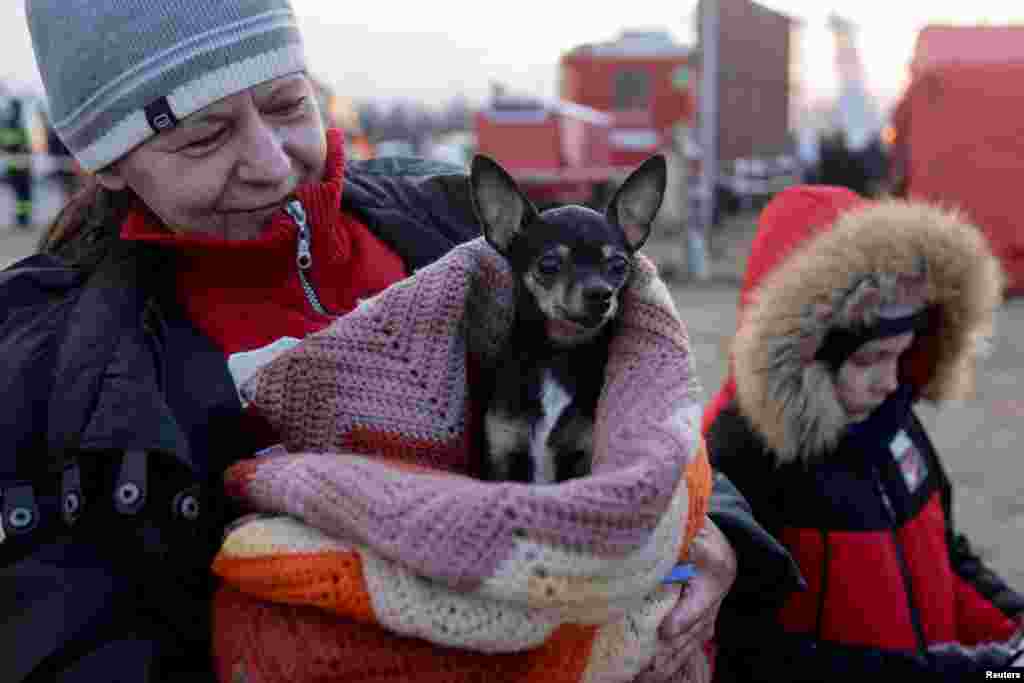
304,257
915,616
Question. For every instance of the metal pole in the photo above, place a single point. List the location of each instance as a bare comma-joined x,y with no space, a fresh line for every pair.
708,137
709,105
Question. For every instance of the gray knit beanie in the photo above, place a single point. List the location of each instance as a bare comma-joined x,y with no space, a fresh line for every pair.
119,71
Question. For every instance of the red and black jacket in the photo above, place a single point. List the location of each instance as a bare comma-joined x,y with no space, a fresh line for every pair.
868,524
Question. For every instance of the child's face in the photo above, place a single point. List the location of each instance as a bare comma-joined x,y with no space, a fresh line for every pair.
870,375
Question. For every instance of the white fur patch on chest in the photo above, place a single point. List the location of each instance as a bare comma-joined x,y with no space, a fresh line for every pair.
554,399
505,437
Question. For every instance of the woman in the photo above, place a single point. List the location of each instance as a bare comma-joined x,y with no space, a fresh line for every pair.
218,219
850,313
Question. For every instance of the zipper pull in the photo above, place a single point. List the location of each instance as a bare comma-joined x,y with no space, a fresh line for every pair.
303,257
884,495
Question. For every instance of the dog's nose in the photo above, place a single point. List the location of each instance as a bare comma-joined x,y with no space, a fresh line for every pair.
601,294
598,300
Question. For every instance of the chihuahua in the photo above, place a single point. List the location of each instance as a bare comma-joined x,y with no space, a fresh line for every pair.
570,264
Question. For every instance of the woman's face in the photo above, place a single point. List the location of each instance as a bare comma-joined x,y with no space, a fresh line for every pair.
870,375
225,169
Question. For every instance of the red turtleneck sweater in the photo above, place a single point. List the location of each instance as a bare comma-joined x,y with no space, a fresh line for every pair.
246,294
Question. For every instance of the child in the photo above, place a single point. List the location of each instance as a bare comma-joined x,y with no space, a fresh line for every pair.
850,313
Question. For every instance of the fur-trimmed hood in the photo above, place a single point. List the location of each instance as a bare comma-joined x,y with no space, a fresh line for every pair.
838,274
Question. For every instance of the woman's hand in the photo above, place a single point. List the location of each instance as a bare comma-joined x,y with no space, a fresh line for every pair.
691,623
1017,637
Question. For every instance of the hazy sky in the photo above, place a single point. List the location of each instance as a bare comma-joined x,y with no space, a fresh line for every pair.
416,50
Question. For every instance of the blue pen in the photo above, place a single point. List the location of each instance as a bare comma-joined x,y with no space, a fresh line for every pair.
681,573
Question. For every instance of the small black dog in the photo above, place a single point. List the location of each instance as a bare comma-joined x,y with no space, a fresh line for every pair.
570,262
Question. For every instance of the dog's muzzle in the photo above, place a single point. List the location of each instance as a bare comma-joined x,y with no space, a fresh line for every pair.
571,333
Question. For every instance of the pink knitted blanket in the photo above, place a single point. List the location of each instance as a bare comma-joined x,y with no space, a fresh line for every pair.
376,415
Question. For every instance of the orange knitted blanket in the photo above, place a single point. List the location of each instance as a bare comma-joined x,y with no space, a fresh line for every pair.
378,557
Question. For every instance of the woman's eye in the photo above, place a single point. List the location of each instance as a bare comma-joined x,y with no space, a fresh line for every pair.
289,108
205,142
549,265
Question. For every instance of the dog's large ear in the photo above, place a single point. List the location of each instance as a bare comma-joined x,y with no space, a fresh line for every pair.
499,204
636,202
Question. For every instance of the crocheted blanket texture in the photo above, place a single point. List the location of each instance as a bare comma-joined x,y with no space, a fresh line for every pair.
377,556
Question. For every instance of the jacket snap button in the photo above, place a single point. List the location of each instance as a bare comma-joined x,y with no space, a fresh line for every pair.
20,518
128,493
72,503
188,506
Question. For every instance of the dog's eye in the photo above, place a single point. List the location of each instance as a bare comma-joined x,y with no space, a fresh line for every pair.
617,267
549,265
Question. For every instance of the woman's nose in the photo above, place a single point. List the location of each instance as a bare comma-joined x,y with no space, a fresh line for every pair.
264,159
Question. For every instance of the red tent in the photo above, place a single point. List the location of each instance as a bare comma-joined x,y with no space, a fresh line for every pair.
938,45
960,138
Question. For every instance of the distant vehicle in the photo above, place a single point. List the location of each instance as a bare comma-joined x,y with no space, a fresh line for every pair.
454,148
394,148
557,151
618,104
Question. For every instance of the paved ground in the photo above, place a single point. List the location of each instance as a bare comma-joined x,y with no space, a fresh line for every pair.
979,440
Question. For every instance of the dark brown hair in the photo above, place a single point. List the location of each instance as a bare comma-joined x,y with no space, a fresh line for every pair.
88,225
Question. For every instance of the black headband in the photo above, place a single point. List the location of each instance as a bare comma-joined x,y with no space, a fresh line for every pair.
841,343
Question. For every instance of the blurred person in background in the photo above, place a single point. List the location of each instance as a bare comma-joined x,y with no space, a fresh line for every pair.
16,142
66,170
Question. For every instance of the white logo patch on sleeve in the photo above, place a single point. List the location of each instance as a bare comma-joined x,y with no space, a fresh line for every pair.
911,463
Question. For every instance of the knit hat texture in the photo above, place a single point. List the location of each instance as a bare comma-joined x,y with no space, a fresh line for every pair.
117,72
